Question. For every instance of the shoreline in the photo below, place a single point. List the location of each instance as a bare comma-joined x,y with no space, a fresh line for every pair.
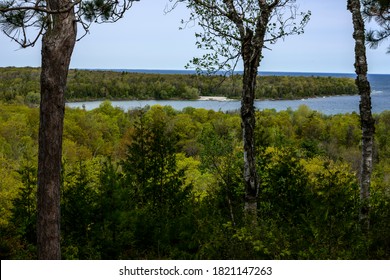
205,98
214,98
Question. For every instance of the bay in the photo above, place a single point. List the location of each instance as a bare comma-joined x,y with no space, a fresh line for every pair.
331,105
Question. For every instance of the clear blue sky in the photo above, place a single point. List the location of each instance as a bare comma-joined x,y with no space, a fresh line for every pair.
148,39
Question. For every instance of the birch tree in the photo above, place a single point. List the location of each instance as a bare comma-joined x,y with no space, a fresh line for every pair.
366,119
56,22
239,30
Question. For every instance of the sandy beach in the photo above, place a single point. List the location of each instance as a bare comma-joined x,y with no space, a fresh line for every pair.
214,98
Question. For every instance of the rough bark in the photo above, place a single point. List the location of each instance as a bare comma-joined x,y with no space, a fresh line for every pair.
57,46
366,119
251,49
251,59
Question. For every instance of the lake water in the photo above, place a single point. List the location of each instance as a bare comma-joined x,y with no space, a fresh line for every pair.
380,85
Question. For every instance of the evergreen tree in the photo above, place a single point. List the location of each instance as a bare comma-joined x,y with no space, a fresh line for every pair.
24,213
154,186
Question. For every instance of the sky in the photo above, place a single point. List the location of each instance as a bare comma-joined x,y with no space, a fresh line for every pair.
148,38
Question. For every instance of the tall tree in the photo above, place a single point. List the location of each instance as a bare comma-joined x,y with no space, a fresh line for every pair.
234,30
25,21
366,119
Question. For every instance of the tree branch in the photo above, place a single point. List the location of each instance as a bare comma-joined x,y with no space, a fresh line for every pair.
41,9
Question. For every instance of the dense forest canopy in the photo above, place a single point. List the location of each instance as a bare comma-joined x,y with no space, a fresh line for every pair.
160,183
22,85
156,183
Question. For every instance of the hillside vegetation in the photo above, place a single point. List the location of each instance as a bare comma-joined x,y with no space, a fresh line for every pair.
163,184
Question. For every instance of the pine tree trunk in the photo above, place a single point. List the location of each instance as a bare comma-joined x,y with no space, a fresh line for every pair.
366,119
57,46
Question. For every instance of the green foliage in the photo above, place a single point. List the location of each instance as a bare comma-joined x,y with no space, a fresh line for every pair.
308,209
334,202
109,212
24,206
279,87
228,26
162,184
154,186
79,206
382,135
221,156
21,85
380,221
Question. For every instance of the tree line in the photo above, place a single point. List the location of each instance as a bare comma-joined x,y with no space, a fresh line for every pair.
21,85
157,183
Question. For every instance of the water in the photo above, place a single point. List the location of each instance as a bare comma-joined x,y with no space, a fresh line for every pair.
380,85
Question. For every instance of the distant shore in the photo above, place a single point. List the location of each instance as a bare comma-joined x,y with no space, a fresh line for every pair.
82,85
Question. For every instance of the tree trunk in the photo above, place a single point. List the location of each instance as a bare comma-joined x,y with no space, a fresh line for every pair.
366,119
251,57
57,46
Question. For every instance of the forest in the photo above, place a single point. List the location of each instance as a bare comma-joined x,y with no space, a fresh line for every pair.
21,85
156,183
